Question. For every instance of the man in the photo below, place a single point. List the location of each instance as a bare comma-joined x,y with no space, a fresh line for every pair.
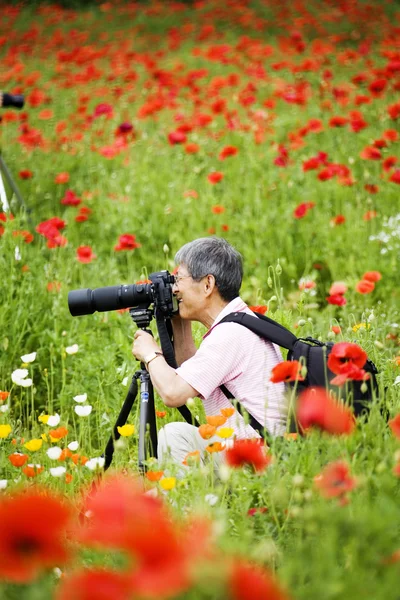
207,285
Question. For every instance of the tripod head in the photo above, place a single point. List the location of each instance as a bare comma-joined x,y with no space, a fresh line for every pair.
142,316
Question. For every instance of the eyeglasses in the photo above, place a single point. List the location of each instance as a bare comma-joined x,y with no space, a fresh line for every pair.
178,278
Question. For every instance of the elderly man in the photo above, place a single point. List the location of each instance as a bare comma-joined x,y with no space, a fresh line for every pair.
207,285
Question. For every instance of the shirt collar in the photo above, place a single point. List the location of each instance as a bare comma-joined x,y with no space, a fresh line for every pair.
237,304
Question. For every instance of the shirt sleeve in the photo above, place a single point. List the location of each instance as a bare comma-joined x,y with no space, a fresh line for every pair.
218,360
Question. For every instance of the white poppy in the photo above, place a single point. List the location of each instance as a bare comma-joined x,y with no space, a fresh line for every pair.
58,471
397,380
4,408
54,453
3,484
73,446
18,374
72,349
95,463
83,411
25,382
80,398
53,420
28,358
211,499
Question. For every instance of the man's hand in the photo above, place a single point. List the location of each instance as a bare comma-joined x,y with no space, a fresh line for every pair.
143,345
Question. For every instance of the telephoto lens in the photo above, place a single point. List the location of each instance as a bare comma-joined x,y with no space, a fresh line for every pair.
87,301
11,100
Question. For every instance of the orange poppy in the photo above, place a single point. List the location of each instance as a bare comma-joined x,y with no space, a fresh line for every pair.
216,420
207,431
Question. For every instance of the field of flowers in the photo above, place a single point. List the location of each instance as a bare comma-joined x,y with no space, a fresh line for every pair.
147,125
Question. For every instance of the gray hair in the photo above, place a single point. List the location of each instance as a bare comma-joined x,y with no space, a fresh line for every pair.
214,256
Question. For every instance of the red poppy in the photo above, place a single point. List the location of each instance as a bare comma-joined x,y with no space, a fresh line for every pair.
389,163
121,516
335,481
337,300
215,177
315,408
288,370
371,188
27,235
350,372
53,286
17,459
248,452
176,137
192,148
365,287
343,353
337,121
4,396
217,209
61,178
32,471
161,413
338,287
370,214
338,220
32,534
394,425
85,254
228,151
248,581
394,111
302,209
70,199
370,153
260,510
372,276
95,584
391,135
127,241
259,308
26,174
395,177
336,329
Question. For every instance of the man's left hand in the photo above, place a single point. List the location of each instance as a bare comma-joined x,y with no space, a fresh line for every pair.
143,345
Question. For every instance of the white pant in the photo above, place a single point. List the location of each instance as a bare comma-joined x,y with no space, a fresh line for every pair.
176,440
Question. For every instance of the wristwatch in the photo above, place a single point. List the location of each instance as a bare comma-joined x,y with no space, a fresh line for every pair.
151,357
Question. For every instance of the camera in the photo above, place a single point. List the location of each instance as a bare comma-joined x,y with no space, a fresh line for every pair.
11,100
158,292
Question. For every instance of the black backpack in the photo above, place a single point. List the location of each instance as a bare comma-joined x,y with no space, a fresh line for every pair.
312,353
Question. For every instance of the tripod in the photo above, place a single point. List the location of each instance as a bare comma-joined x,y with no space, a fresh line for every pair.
147,420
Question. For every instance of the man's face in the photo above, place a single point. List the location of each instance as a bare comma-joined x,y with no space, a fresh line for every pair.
189,294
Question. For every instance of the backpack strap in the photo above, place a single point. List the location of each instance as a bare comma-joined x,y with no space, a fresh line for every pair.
269,330
265,327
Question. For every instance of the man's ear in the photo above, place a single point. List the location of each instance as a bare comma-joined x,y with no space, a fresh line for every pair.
209,284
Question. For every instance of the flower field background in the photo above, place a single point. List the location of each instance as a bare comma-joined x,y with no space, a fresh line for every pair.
147,125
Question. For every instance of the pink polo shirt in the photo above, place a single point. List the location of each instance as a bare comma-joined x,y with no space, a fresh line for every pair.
232,355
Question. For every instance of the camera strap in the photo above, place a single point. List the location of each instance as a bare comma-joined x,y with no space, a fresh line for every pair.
164,329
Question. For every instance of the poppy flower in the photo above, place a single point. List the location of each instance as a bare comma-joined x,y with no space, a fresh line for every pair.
32,534
61,178
259,308
337,299
207,431
58,434
176,137
215,177
154,475
127,241
228,151
288,370
217,209
395,177
338,287
216,420
95,583
192,148
315,408
370,153
343,353
338,220
394,425
365,287
70,199
247,581
85,254
335,481
370,214
302,209
337,121
349,372
161,413
228,412
26,174
17,459
248,452
372,276
215,447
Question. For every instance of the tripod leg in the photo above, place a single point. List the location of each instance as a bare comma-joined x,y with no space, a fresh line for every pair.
4,169
147,417
3,196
